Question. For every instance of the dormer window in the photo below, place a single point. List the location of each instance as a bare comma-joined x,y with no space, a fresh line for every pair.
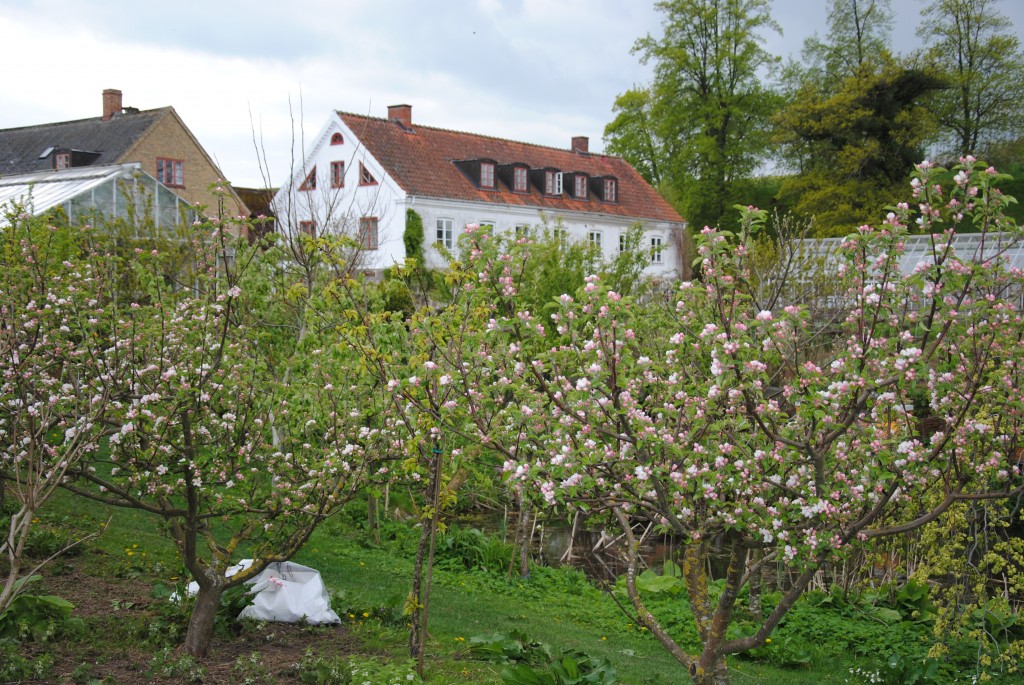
611,190
552,183
310,182
365,177
337,138
62,160
580,186
519,177
486,175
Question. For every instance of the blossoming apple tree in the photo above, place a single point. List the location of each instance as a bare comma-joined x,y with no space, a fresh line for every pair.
56,372
759,430
206,437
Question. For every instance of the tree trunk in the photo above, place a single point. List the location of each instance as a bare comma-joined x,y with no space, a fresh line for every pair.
202,621
524,537
372,518
710,670
417,591
755,583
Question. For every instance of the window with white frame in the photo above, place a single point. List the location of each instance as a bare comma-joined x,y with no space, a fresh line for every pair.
446,233
522,230
552,183
594,237
487,226
656,249
610,190
623,243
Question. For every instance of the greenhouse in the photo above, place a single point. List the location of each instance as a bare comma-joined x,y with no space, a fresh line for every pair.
120,191
803,273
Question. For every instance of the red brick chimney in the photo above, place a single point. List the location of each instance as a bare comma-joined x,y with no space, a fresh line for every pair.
402,114
111,103
580,144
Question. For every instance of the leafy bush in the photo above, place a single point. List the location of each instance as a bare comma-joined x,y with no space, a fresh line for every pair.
38,618
473,549
534,663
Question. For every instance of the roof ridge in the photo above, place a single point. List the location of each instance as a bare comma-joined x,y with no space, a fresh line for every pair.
479,135
85,120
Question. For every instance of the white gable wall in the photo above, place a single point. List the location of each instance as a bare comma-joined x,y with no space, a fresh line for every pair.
339,210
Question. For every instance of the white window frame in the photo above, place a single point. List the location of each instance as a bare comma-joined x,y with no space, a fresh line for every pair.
611,190
552,182
595,237
446,233
657,247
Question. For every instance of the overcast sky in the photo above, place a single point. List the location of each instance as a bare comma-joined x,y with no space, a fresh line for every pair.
540,71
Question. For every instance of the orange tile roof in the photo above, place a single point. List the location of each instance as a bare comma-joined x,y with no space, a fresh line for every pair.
420,159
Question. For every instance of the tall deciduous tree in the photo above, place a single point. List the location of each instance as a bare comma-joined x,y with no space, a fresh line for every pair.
858,31
971,43
853,144
702,124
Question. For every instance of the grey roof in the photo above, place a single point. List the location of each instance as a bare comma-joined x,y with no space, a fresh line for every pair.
24,150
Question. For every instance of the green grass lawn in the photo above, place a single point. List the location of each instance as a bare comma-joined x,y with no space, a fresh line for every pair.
369,582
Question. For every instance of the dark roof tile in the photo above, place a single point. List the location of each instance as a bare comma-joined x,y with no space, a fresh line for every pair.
20,148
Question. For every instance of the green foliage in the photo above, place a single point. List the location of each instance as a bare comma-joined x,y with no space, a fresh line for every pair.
471,548
368,670
854,142
388,612
39,618
319,670
703,122
975,48
249,670
166,663
536,663
413,236
16,667
857,31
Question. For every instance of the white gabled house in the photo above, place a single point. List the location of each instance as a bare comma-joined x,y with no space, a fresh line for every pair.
363,174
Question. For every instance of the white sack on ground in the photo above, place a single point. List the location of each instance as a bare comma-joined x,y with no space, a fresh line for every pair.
193,588
289,592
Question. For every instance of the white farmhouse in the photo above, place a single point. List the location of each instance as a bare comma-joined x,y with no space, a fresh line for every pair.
363,174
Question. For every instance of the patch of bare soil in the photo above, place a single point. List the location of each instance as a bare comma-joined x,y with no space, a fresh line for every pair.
122,617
